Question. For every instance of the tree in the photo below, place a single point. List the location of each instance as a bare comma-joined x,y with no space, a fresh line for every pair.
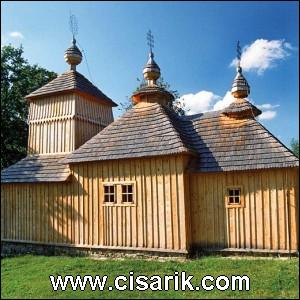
176,105
295,147
18,79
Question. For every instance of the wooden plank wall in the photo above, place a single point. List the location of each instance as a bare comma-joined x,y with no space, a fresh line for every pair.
73,213
37,212
62,123
93,111
51,124
271,210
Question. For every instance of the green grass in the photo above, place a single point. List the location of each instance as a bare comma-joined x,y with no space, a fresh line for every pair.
28,276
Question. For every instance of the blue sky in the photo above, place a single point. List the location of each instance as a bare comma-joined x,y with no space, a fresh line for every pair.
194,46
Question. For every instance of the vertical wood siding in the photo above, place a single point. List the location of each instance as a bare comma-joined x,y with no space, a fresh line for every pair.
62,123
74,212
269,219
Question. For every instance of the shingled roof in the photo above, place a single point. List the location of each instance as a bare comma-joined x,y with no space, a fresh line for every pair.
229,144
218,142
241,108
37,168
71,81
148,129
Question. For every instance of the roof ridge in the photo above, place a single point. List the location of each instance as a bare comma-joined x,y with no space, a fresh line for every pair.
167,110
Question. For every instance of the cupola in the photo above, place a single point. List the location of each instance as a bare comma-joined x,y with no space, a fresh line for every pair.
152,92
240,107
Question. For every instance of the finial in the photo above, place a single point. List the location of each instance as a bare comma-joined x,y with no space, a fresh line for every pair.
150,40
238,53
73,55
151,70
240,86
73,26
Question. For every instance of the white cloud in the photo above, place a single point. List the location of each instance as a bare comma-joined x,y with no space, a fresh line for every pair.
16,35
262,55
204,101
267,115
226,101
267,106
199,102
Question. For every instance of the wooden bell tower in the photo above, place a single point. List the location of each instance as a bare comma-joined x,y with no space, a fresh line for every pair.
67,111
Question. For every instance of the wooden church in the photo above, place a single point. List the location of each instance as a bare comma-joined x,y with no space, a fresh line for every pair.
150,181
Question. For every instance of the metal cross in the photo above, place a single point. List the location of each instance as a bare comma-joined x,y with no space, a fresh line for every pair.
73,25
238,50
150,40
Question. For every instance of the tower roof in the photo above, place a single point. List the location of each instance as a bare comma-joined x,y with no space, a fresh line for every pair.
71,81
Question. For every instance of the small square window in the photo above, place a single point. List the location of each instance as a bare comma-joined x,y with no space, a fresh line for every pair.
233,196
118,193
127,193
109,193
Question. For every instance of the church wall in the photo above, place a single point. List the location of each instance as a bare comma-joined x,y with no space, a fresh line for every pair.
75,213
269,219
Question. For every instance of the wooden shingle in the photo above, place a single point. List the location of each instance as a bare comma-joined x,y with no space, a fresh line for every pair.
37,168
68,82
216,141
230,144
148,129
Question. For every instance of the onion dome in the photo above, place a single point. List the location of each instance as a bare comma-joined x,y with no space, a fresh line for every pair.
151,70
152,92
240,87
240,107
73,55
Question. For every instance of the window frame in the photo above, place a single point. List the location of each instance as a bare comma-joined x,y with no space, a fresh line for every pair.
114,193
127,193
241,203
118,193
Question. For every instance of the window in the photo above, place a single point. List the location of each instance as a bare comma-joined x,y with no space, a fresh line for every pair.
109,193
127,193
118,193
234,197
